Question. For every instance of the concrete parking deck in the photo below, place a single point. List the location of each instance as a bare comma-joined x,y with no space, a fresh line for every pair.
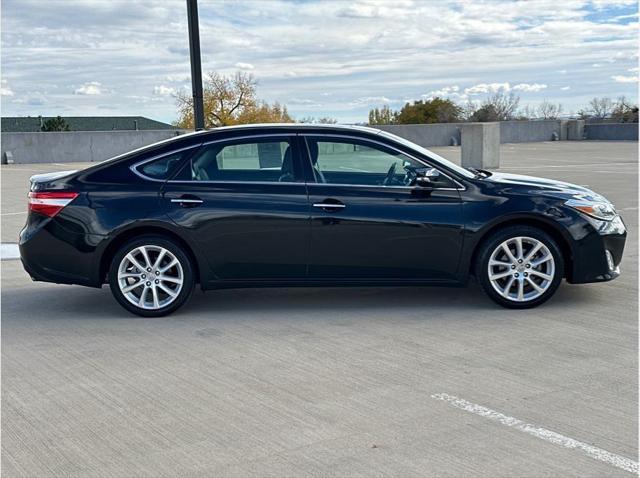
328,382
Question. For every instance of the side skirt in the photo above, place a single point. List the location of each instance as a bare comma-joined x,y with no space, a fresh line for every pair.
241,284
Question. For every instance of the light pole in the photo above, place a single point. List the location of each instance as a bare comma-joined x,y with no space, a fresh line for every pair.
196,67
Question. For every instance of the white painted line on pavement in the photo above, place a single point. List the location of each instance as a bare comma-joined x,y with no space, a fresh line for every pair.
570,165
12,213
541,433
9,251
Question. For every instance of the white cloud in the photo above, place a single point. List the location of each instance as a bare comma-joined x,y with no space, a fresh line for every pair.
529,88
600,4
90,88
633,70
302,101
446,91
244,66
4,89
484,88
452,92
370,100
624,79
161,90
565,88
177,78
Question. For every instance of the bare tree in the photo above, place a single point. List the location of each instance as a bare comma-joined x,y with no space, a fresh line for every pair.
505,105
469,109
528,113
548,110
498,107
601,108
322,120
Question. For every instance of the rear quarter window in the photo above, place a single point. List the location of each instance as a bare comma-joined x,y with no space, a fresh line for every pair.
163,168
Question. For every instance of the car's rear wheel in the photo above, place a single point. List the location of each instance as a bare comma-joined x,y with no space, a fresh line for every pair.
151,276
519,267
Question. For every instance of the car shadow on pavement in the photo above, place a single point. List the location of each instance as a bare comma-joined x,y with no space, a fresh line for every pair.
71,302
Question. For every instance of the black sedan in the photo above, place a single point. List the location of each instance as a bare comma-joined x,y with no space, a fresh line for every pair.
296,205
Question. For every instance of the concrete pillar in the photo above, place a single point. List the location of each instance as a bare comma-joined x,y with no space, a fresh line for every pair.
575,130
481,145
564,129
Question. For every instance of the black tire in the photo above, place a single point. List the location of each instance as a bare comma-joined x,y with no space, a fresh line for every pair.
491,243
152,242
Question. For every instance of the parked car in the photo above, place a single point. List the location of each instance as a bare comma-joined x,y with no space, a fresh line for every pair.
310,205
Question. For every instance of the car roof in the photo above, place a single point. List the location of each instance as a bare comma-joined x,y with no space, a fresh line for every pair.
286,126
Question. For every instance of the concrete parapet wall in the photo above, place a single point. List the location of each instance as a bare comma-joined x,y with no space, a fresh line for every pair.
87,146
612,131
439,134
77,146
529,131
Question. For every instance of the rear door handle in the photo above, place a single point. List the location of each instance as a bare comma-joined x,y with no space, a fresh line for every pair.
329,204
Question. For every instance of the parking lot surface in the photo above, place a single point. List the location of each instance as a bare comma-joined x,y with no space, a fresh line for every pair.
329,382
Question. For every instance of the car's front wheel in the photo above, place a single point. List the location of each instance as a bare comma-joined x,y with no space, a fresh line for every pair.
151,276
519,267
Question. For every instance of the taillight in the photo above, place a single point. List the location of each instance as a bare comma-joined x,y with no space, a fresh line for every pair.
50,203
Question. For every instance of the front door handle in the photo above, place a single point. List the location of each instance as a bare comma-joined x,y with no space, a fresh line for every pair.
330,205
188,201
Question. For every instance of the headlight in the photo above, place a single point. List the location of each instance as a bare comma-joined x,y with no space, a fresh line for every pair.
602,211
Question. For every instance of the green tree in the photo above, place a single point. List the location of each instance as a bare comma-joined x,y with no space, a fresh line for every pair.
382,115
230,100
624,111
55,124
436,110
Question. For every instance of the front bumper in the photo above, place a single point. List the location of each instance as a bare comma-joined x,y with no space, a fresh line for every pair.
590,262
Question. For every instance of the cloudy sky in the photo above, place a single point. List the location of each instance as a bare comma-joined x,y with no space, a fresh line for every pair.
320,58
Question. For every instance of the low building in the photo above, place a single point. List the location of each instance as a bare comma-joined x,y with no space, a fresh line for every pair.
30,124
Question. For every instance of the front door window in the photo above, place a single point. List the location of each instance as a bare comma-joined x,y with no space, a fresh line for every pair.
355,162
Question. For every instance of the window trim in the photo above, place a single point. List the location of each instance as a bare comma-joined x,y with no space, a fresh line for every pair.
307,162
461,187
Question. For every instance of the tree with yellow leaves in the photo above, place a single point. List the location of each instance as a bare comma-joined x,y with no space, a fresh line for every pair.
230,100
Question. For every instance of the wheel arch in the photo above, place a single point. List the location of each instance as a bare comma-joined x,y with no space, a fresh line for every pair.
124,236
543,224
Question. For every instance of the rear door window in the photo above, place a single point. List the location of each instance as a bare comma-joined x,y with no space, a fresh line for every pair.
250,160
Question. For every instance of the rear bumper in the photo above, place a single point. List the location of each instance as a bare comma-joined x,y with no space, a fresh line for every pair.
590,262
51,253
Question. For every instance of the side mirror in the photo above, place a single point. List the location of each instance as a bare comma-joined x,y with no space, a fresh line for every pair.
426,177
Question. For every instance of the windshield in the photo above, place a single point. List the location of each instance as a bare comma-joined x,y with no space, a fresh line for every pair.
430,154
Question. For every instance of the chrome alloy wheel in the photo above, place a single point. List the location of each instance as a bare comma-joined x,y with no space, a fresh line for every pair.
521,269
150,277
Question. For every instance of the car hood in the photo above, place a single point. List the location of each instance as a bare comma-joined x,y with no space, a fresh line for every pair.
543,185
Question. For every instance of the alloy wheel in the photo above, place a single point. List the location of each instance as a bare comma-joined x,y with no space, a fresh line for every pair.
521,269
150,277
